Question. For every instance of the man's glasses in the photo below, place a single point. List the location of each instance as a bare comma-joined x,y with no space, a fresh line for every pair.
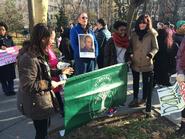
84,17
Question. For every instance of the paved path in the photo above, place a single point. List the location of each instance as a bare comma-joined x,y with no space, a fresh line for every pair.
15,126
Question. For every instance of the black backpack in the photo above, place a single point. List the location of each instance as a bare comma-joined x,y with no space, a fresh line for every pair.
110,56
66,49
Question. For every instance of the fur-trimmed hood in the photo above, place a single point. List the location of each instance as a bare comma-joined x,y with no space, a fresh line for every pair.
153,31
149,31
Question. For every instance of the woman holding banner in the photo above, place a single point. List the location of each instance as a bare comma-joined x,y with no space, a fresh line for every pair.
7,72
55,72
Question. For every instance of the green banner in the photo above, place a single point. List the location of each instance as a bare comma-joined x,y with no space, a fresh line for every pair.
89,95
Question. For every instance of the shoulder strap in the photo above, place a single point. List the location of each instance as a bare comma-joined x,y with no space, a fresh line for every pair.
102,42
119,52
104,38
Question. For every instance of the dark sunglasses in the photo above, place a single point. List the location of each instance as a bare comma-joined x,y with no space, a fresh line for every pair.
84,17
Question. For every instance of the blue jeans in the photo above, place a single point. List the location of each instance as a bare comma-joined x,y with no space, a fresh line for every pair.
84,65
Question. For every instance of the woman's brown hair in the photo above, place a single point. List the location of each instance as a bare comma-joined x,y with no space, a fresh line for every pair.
143,19
146,20
40,31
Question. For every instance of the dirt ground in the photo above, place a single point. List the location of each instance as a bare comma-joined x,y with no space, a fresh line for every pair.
134,126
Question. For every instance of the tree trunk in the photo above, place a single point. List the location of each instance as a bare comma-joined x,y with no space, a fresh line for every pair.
40,11
134,4
37,10
175,12
144,8
110,12
98,9
130,17
30,14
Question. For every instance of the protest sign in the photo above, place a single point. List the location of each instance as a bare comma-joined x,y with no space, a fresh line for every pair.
8,56
86,46
171,100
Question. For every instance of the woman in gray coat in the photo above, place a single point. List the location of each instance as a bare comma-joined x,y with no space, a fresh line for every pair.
35,96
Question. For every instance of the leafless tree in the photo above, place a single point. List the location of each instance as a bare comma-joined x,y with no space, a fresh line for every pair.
133,7
30,14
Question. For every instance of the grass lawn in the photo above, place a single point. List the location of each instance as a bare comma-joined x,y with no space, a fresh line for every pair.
134,126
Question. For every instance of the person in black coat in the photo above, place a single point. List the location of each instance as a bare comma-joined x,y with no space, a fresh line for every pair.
65,46
180,32
7,72
165,59
102,36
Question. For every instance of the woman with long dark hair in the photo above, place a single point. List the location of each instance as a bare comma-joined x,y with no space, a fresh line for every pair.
165,61
35,97
142,49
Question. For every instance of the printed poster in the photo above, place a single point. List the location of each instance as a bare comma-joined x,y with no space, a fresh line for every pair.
8,56
171,99
86,46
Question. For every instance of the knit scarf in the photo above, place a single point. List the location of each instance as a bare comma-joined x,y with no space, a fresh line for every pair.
141,34
120,41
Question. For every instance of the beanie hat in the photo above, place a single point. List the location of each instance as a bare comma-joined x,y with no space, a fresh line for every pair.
180,23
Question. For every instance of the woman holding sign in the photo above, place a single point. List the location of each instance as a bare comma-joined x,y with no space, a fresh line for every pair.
7,72
85,61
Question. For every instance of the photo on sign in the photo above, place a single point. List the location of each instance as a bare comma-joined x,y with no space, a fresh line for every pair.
86,46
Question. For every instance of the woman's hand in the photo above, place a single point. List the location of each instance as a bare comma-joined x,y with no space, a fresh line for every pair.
149,56
3,47
67,71
180,78
55,84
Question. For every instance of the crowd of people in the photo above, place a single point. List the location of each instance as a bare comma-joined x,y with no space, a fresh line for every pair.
156,54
